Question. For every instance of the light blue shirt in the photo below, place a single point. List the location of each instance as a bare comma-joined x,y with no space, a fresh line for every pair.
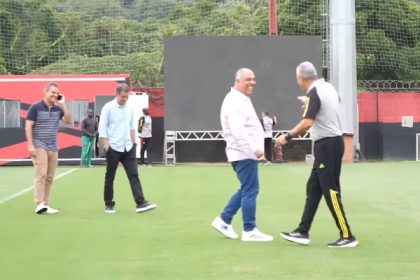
115,124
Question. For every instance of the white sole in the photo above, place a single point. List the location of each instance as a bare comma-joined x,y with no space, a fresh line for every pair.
350,245
256,240
213,224
148,208
296,240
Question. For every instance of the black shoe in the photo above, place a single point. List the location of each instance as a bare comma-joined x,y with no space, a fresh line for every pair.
109,209
344,243
145,206
296,237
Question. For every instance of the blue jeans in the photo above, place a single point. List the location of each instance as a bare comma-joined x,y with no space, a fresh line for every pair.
246,196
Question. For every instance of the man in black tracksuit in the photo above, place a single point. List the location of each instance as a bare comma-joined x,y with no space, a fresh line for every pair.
321,115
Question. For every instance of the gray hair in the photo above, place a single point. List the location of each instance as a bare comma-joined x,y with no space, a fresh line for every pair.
307,71
242,70
48,86
122,87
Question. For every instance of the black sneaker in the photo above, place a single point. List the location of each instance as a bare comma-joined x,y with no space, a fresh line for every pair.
296,237
109,209
344,243
145,206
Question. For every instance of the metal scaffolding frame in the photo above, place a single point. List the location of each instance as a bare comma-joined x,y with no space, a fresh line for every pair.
171,137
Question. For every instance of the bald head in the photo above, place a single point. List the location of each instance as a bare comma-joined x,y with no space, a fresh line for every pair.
241,71
245,81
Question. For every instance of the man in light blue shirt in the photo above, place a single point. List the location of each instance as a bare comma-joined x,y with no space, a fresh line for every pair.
117,131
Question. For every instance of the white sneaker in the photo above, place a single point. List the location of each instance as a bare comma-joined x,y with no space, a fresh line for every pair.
51,210
225,229
41,208
255,235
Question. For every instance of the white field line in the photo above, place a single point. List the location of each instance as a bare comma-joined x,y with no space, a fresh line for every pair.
19,193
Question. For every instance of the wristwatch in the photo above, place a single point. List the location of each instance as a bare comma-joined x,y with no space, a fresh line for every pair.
288,137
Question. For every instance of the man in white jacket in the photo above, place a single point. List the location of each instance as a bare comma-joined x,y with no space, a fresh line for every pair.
244,138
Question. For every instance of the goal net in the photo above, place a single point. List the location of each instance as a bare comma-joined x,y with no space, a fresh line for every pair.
126,36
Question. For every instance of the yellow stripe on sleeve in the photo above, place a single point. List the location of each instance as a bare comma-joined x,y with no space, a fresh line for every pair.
306,106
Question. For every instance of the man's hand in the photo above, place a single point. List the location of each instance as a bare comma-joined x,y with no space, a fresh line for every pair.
106,148
303,99
105,144
259,154
31,150
281,140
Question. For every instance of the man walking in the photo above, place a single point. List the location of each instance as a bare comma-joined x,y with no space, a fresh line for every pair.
268,123
117,131
41,131
145,133
244,138
321,115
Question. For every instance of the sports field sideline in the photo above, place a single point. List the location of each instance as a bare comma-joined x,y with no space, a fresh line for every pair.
175,241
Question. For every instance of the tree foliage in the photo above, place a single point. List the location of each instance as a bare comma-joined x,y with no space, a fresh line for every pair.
388,40
120,36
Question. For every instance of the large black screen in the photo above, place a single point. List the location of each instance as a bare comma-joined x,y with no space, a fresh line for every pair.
199,71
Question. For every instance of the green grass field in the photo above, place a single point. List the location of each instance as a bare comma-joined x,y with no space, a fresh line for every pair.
176,241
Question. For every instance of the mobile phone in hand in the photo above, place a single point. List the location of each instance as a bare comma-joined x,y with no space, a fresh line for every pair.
59,97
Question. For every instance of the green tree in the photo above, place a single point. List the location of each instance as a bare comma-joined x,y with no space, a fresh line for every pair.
93,8
31,35
92,35
299,17
145,68
3,70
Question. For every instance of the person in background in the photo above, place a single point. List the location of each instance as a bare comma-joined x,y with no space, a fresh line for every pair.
97,138
145,133
244,147
117,131
321,116
41,131
89,129
268,123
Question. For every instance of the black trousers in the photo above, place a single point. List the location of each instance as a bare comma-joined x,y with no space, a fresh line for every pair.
128,160
268,142
325,181
146,145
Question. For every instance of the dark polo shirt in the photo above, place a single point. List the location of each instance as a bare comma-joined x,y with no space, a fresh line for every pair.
45,129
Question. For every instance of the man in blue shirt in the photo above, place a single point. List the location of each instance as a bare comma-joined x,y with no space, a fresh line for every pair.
117,128
41,131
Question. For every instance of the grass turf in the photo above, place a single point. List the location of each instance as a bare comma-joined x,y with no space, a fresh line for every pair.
175,241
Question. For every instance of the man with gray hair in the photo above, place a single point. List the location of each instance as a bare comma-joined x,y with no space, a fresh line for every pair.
117,128
321,115
244,138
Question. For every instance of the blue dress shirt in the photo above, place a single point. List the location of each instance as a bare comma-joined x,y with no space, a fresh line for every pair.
115,123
